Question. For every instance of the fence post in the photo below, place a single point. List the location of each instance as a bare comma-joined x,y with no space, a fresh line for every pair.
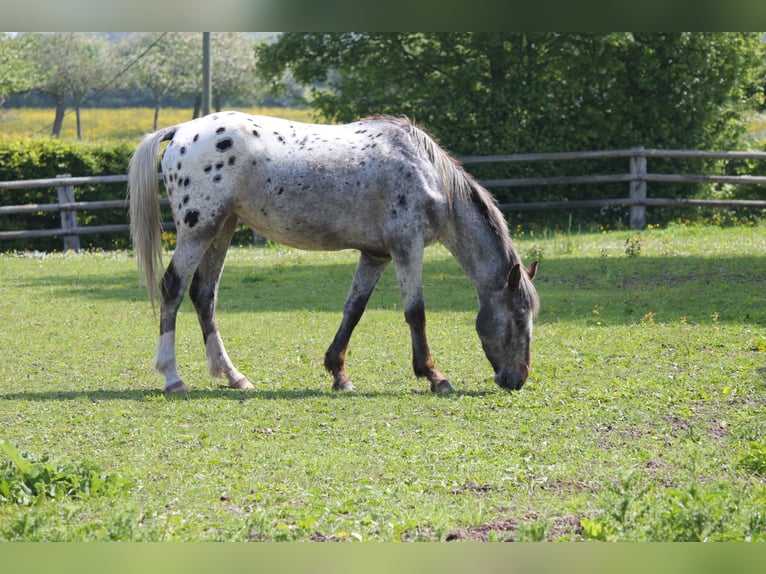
638,188
68,216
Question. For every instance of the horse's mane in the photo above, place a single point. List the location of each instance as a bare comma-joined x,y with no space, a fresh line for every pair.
461,188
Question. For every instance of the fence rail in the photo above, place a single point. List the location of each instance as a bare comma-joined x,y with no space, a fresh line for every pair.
637,179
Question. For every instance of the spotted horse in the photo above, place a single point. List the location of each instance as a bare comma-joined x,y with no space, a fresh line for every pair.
381,186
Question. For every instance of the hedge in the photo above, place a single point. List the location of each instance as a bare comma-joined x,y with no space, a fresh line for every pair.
39,158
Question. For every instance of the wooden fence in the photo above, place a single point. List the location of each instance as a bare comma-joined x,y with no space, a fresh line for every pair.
637,179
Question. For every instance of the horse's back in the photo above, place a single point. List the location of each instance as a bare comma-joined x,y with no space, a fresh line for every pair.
312,186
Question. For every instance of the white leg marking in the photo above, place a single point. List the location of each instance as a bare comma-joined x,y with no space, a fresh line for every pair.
219,364
165,360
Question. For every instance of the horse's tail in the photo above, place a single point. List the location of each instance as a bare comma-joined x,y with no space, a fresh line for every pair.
145,223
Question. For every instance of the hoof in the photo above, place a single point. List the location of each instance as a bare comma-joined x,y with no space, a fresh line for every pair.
243,383
177,387
441,387
343,384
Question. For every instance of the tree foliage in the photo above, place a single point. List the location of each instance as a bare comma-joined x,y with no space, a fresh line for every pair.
499,93
166,64
506,92
16,71
70,67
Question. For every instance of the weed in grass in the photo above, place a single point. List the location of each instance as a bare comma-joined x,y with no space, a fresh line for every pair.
633,245
754,460
25,480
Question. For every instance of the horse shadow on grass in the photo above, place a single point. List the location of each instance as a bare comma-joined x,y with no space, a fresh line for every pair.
107,395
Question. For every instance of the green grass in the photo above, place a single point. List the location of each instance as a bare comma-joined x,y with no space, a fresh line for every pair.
643,418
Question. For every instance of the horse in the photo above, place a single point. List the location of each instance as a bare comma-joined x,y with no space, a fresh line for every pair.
381,186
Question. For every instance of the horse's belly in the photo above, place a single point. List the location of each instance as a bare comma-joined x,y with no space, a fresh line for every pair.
313,230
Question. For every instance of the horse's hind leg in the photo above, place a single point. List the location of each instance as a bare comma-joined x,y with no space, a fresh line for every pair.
409,273
172,288
204,294
368,271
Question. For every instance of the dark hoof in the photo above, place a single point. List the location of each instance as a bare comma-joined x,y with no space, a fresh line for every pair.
441,387
243,383
178,387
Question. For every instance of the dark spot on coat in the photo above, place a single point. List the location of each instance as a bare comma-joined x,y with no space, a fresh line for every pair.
255,133
281,191
186,199
217,178
232,159
403,200
219,165
220,130
224,144
179,166
186,182
183,150
208,168
196,137
191,218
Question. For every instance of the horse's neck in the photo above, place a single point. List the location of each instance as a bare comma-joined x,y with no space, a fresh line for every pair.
485,257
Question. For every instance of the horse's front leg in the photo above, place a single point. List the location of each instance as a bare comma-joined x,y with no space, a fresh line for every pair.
366,277
409,273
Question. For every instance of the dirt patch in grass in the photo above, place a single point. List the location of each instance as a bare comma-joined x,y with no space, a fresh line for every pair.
508,529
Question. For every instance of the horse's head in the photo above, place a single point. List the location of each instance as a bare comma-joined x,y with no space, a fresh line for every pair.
504,325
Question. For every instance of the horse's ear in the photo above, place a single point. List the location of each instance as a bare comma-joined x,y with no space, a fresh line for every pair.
514,277
532,269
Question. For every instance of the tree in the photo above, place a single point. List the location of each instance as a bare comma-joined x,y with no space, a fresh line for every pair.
16,71
233,67
506,92
496,93
72,66
168,64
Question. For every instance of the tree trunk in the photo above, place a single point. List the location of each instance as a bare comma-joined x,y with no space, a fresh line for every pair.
79,124
59,120
197,106
156,114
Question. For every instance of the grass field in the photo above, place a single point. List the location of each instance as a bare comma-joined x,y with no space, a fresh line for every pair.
643,418
119,123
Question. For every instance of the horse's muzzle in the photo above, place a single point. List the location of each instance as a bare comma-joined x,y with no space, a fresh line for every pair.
512,379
